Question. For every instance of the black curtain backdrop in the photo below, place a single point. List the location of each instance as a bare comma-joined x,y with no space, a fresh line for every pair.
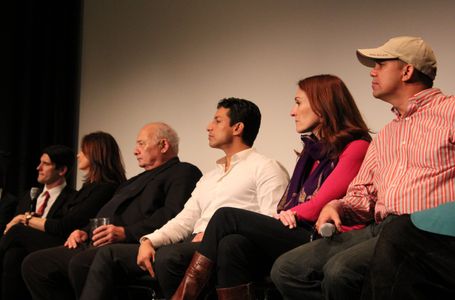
40,93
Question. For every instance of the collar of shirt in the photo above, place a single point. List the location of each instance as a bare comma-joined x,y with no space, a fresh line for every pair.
416,102
55,191
53,194
239,156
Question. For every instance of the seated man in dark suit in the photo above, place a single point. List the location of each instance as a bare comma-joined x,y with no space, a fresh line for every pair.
55,163
143,204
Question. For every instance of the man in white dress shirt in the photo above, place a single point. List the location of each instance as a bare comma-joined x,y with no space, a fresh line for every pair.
243,178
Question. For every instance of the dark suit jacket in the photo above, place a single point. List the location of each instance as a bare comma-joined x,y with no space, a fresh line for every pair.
55,211
76,211
147,201
67,216
12,237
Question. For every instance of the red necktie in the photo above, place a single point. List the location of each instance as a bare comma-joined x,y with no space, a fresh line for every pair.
41,209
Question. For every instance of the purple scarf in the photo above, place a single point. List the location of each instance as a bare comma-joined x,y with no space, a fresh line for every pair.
304,183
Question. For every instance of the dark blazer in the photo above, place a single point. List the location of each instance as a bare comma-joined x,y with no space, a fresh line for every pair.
76,211
67,216
147,201
55,211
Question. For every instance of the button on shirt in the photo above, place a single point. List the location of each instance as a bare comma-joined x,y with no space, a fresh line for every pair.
54,193
253,182
410,165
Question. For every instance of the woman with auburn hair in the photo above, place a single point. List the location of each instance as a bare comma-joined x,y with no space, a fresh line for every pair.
101,162
240,246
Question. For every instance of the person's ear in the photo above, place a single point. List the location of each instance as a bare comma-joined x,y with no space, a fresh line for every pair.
408,70
238,128
62,171
164,145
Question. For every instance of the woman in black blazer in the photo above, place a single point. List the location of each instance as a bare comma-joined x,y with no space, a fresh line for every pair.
101,162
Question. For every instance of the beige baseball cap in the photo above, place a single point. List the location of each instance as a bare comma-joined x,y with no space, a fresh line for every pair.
411,50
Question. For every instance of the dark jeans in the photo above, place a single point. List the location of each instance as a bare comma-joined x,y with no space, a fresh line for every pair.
409,263
331,268
244,244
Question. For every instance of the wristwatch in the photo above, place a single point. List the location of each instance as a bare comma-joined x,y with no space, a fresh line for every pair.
28,217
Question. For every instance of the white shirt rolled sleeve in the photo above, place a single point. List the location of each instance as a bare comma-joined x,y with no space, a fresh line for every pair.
252,182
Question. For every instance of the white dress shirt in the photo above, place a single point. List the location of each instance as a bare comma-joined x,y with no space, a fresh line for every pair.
252,182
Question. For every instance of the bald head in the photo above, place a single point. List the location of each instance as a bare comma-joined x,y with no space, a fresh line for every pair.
156,143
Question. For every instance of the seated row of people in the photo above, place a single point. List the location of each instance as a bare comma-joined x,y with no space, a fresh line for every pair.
172,247
59,209
135,207
244,219
243,178
409,167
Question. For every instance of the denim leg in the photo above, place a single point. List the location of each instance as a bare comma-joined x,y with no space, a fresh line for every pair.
298,274
410,263
345,271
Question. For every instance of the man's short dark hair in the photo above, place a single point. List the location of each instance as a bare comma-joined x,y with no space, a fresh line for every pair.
245,111
61,156
418,76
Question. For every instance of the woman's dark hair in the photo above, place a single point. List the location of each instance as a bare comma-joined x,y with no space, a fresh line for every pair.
103,153
340,119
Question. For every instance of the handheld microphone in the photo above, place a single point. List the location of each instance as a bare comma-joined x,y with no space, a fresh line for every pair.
327,230
34,193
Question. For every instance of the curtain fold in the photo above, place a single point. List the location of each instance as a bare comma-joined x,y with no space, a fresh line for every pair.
40,94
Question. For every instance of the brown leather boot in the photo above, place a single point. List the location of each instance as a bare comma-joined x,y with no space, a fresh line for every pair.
196,277
239,292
